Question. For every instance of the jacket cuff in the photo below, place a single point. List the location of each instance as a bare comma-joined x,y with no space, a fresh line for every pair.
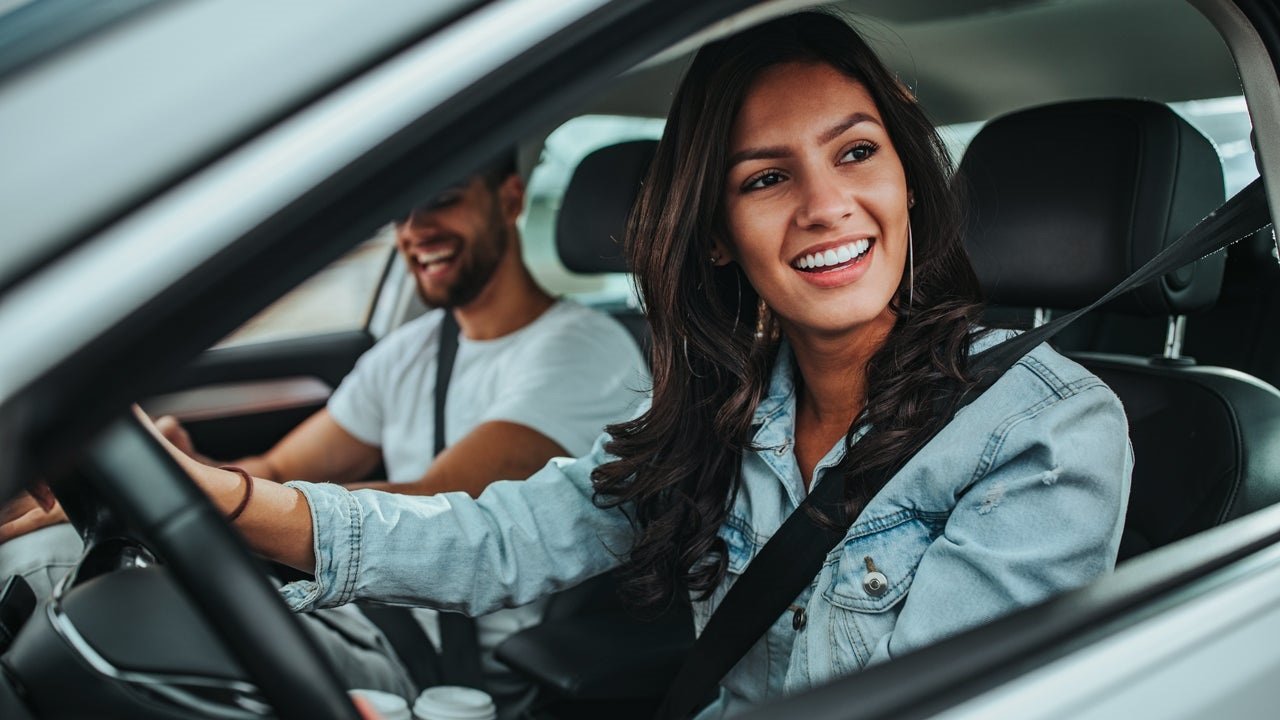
335,522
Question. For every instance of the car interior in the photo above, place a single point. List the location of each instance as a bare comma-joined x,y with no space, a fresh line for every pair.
1077,169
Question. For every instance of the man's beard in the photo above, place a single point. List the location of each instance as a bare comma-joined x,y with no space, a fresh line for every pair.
476,266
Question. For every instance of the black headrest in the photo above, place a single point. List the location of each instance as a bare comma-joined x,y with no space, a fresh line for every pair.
593,213
1069,199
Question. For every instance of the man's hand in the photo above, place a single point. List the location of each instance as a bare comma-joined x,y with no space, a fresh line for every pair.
173,431
26,514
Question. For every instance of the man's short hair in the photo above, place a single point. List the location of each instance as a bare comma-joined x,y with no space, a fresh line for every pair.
500,169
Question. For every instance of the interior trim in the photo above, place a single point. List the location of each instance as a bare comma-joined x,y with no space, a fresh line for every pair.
175,689
223,400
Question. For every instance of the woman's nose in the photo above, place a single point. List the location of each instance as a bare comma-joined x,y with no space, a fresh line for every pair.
824,203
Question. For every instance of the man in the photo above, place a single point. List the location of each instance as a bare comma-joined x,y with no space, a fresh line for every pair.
534,378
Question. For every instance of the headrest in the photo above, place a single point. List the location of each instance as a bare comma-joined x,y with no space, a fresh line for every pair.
1069,199
593,213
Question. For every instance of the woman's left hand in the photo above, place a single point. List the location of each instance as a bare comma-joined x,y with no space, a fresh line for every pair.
29,512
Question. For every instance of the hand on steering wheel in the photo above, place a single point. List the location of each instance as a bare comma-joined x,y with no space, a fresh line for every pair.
142,480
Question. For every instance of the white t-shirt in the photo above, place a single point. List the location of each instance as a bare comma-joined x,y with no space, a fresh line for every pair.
567,374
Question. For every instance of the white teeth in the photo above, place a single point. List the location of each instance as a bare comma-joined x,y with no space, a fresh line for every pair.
834,256
426,258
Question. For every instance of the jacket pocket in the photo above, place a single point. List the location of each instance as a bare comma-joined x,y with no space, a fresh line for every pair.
866,578
874,568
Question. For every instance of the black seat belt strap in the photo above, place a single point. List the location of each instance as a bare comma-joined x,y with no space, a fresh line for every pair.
791,559
459,644
458,662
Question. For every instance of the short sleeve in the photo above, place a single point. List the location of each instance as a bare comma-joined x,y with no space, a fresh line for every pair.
571,383
362,401
357,403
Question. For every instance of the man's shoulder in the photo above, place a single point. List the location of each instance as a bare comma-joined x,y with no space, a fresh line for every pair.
408,340
568,318
576,338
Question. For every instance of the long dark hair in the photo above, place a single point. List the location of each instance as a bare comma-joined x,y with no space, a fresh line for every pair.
678,464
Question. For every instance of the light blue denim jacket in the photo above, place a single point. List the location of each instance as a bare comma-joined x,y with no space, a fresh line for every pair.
1020,497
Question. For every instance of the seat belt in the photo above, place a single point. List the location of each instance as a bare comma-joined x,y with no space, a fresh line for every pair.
459,644
791,559
458,662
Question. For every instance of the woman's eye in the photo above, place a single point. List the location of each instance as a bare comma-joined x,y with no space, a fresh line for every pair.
859,152
764,180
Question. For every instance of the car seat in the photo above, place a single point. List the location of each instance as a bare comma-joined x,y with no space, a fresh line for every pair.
593,217
1068,199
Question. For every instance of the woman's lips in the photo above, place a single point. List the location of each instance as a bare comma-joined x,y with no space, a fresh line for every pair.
833,256
842,271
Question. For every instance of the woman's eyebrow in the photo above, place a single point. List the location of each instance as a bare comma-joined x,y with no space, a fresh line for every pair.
778,151
834,131
764,153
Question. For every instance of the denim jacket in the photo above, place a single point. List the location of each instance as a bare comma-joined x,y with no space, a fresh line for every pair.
1020,497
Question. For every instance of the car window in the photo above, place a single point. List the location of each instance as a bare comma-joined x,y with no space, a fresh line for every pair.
340,297
564,148
1224,120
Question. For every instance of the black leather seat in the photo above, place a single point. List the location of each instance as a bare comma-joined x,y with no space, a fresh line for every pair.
593,216
1066,201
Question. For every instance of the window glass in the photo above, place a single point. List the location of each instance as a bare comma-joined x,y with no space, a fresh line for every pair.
340,297
564,149
1225,121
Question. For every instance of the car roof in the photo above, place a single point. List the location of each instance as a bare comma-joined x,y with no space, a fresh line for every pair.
972,60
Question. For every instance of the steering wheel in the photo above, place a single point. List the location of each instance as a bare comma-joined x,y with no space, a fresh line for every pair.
144,490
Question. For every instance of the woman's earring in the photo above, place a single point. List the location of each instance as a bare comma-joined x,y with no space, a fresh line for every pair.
737,310
911,268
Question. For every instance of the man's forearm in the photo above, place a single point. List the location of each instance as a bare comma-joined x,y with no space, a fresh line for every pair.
257,466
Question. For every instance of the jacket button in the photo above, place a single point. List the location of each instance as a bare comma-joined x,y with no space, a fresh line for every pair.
875,584
799,619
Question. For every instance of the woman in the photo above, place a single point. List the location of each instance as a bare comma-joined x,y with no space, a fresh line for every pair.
797,249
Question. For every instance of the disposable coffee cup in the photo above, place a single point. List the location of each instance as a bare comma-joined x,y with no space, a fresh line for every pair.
448,702
387,705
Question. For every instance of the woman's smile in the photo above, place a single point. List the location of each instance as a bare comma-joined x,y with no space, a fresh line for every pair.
829,265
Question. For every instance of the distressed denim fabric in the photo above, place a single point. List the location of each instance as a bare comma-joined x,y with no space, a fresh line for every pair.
1021,497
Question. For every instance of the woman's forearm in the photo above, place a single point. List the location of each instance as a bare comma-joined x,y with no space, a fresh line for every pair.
276,522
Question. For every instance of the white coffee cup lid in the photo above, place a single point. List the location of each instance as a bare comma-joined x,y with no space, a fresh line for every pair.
388,706
448,702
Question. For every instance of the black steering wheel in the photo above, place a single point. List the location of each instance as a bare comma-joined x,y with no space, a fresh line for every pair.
140,486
